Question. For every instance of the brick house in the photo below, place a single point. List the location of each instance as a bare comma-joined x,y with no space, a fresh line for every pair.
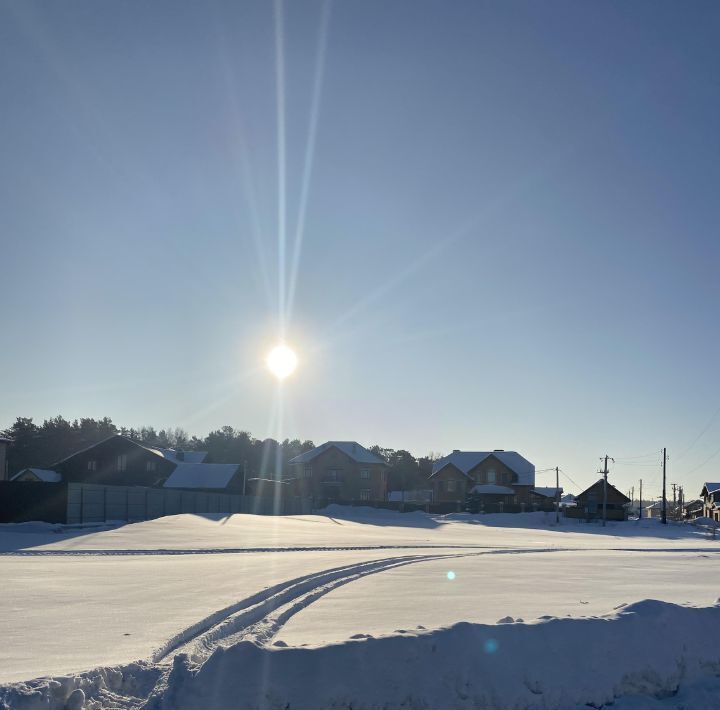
494,479
711,501
339,472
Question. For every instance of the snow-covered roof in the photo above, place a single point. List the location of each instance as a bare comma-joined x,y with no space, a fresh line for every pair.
172,455
42,474
466,461
712,487
352,449
491,489
201,475
547,492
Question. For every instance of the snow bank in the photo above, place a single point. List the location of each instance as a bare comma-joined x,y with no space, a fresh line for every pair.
647,649
642,653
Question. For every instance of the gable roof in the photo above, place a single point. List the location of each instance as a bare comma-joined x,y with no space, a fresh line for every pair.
168,454
711,487
466,461
609,485
352,449
42,474
201,475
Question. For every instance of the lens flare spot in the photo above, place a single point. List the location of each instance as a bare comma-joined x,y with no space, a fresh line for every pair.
451,575
491,646
281,361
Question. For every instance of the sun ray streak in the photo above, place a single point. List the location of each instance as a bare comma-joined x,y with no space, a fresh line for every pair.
309,152
281,164
241,153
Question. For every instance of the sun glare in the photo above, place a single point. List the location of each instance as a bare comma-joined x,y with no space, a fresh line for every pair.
281,361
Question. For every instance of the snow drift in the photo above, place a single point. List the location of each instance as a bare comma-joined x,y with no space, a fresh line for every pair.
650,650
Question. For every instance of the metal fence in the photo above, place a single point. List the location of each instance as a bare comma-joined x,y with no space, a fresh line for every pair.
92,503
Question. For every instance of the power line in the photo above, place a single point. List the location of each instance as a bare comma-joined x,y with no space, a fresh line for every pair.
640,456
577,485
709,458
697,438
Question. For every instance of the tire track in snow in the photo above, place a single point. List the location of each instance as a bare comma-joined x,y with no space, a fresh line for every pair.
261,615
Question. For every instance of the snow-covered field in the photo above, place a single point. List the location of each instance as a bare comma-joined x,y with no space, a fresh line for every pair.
360,608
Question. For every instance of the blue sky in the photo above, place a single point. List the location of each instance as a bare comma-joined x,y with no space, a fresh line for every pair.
509,238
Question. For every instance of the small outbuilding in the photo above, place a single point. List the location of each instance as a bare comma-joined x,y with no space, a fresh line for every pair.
37,475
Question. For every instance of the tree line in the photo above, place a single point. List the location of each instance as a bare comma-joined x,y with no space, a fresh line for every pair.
42,445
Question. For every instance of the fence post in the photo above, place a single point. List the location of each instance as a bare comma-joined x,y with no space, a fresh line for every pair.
82,504
127,504
104,504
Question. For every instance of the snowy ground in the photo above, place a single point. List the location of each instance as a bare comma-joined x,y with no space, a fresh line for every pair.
206,596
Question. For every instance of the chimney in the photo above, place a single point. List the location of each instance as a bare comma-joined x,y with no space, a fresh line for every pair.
500,450
456,451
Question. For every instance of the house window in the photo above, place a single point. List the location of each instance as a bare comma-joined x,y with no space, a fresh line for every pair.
365,494
122,462
451,486
307,472
491,475
365,473
150,466
333,474
92,465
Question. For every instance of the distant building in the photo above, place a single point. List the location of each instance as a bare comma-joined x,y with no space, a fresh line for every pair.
692,509
654,510
339,472
493,479
710,494
589,503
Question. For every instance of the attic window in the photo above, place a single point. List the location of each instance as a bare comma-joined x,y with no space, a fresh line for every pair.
364,473
122,462
150,466
92,465
308,472
491,475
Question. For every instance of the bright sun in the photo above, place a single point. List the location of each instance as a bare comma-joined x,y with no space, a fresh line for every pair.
281,361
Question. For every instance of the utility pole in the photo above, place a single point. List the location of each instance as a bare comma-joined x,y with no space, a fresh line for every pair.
664,495
681,502
557,494
605,475
640,510
244,479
